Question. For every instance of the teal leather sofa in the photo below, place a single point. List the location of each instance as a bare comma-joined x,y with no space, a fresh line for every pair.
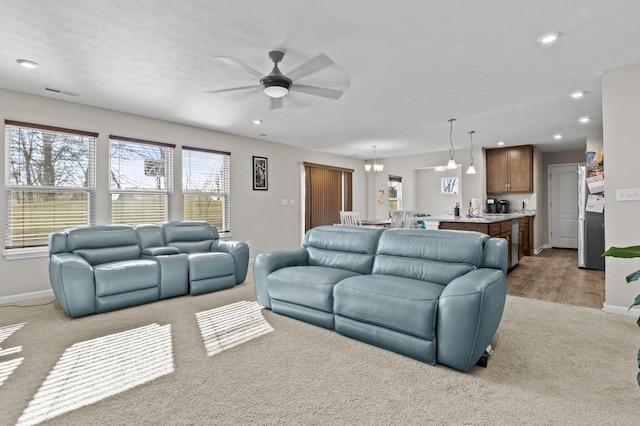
94,269
433,295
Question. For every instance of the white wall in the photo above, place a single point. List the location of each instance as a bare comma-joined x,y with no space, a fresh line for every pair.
621,113
421,185
256,216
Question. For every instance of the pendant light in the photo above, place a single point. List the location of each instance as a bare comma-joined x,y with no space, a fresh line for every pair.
377,168
471,170
452,163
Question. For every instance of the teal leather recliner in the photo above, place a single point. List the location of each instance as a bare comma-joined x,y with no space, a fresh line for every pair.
433,295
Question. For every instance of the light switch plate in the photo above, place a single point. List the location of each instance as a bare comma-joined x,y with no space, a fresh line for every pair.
284,201
628,194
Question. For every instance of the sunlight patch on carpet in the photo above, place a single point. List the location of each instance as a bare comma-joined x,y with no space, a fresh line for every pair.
8,367
231,325
95,369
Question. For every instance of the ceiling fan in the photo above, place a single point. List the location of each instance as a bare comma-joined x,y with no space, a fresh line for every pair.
276,85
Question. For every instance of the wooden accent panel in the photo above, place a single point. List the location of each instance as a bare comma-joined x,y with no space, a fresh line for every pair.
325,194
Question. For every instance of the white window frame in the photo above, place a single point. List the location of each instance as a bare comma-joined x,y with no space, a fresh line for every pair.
141,187
193,172
54,219
397,182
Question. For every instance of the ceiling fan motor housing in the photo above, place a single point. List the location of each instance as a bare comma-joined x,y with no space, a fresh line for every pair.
274,83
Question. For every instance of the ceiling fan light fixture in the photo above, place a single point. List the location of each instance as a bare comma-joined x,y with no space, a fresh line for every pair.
274,90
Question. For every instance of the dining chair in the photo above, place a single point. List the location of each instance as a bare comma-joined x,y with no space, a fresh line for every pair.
397,218
407,220
350,218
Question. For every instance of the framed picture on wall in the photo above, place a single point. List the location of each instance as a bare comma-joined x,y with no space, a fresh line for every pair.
260,173
449,185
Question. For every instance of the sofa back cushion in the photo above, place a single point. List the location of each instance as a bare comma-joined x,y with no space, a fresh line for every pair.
190,236
150,235
103,243
437,256
345,247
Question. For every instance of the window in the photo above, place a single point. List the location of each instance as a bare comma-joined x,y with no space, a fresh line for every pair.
395,193
49,182
141,180
206,183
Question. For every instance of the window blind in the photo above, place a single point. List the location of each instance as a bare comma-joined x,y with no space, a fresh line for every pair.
141,180
206,186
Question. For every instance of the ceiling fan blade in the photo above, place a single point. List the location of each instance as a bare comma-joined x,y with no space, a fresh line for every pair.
227,60
312,66
233,89
317,91
276,103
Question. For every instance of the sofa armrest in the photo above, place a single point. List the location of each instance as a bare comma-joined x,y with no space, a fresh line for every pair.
266,263
240,252
160,251
73,284
496,254
469,312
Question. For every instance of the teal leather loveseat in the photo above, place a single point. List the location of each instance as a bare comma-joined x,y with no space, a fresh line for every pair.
94,269
433,295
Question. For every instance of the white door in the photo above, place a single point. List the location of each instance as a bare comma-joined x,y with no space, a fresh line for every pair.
563,205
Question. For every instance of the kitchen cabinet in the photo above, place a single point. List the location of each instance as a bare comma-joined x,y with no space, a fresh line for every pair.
505,232
510,170
526,235
500,229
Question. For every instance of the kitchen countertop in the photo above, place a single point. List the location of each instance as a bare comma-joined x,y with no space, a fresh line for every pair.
486,218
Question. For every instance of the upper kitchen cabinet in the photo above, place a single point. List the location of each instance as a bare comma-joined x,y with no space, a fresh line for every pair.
510,170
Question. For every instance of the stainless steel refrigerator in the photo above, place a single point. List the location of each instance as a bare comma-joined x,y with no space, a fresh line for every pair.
590,223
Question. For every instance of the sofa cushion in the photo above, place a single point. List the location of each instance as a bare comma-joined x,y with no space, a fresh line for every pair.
437,256
190,236
210,265
310,286
342,247
124,276
401,304
104,243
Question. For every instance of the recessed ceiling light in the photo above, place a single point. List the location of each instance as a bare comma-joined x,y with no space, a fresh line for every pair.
577,95
585,119
557,136
501,143
27,63
256,122
549,38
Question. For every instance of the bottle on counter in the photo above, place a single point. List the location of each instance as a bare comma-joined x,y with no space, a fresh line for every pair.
456,210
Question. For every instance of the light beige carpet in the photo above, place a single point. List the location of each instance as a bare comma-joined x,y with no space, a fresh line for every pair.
553,364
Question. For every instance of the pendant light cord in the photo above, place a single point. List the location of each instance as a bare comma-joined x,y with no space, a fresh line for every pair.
471,152
452,150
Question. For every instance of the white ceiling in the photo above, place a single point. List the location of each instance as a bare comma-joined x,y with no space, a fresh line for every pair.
411,64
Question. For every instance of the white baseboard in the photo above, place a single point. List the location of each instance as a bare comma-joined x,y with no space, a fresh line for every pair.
25,296
622,310
539,249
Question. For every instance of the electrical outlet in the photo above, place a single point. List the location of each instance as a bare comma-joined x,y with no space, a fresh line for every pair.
628,194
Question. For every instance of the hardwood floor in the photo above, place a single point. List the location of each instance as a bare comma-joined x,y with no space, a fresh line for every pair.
553,276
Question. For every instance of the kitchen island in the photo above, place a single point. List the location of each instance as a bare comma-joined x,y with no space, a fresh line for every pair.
515,227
